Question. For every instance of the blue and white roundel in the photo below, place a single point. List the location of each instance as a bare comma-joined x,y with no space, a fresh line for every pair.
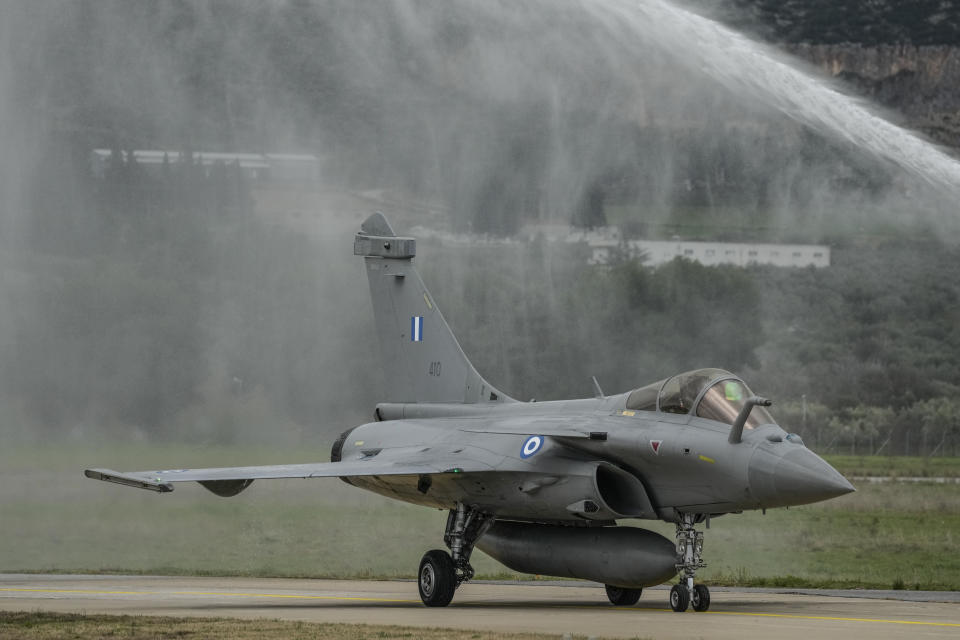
531,446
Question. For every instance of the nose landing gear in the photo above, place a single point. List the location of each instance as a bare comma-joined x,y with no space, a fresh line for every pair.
690,556
700,598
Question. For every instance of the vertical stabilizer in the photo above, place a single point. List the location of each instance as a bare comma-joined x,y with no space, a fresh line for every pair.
422,360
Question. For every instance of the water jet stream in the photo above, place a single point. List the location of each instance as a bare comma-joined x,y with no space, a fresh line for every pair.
749,68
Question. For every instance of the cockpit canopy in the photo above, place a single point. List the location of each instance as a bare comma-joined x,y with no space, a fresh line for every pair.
714,394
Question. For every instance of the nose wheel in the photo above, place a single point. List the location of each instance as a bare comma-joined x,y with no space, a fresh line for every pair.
690,558
682,597
679,597
700,598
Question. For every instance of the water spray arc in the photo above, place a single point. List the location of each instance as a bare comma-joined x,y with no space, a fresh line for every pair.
749,69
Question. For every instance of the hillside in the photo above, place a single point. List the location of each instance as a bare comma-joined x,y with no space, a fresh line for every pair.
904,56
865,22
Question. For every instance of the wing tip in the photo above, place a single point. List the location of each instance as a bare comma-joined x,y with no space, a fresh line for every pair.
109,475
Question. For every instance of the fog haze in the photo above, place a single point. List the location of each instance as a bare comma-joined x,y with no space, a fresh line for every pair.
193,313
203,308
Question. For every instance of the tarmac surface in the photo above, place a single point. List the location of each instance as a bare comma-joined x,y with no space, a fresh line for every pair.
557,607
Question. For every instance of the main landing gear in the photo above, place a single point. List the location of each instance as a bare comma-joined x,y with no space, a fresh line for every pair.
441,572
690,554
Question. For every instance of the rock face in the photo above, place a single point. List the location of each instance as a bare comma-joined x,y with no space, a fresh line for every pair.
920,82
867,22
902,55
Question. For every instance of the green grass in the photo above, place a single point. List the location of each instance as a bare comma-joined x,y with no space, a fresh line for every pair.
896,466
53,519
56,626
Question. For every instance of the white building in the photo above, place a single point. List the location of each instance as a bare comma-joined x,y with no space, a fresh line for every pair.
270,167
740,254
605,242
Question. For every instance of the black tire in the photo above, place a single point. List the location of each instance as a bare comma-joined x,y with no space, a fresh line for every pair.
701,598
622,596
679,597
437,578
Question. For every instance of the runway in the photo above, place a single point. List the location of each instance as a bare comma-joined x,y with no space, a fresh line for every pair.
545,608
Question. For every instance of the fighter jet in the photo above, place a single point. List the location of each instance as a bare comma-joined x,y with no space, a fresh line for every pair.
543,487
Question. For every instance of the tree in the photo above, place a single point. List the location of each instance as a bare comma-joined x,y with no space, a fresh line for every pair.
590,214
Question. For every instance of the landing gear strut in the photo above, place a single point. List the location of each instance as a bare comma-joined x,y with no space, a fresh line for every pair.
690,555
441,572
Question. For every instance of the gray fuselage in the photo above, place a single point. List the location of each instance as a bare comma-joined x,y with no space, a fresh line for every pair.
684,463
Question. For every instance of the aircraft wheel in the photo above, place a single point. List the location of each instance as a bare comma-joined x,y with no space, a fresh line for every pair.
622,596
679,597
437,579
701,598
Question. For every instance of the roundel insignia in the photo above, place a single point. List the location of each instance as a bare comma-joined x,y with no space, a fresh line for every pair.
531,446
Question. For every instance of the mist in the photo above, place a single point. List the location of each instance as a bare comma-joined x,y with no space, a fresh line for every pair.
193,315
147,308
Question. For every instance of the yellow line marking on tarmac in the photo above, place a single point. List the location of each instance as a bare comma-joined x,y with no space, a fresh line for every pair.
95,591
475,604
290,595
724,613
835,618
212,593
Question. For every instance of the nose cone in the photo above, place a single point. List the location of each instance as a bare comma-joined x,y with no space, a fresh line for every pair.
798,476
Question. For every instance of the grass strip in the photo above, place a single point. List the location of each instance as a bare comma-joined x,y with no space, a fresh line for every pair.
741,578
744,579
884,536
38,625
896,466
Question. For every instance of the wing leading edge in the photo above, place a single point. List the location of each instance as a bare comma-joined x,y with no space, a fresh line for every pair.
233,479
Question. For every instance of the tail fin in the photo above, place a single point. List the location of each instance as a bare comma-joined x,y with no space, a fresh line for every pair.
422,360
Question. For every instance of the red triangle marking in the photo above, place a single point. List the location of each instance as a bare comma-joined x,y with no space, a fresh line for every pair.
656,446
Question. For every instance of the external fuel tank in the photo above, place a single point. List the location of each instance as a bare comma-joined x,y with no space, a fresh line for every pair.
619,556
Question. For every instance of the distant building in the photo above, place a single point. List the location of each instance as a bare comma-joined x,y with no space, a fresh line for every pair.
741,254
260,167
606,242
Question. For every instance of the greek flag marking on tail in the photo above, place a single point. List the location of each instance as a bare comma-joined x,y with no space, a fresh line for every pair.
416,328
